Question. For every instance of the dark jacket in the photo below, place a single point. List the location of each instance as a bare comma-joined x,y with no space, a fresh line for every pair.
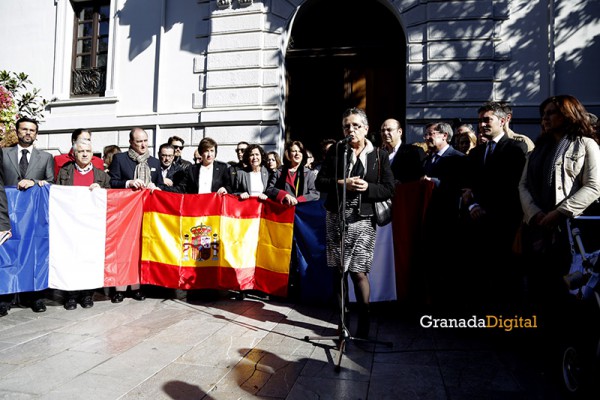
377,173
407,165
66,176
221,178
495,182
122,169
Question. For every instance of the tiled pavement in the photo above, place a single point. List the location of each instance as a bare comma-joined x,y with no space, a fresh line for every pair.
240,349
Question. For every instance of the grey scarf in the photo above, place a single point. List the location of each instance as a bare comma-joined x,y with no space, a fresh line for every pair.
142,170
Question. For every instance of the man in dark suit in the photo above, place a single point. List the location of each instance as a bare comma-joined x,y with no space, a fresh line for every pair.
406,159
172,173
25,166
493,203
138,170
445,167
208,176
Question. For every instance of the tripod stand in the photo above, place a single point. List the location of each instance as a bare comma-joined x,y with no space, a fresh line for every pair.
344,334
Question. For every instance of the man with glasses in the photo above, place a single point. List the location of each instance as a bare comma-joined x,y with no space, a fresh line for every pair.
25,166
239,150
178,144
171,172
234,166
446,168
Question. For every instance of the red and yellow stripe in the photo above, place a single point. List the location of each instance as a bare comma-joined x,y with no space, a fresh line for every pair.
230,244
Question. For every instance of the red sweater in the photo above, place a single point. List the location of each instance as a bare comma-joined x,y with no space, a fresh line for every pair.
62,159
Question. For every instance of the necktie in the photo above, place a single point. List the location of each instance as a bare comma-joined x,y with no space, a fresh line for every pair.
489,150
23,163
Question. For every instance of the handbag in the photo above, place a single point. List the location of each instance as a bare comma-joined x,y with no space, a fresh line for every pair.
383,209
383,212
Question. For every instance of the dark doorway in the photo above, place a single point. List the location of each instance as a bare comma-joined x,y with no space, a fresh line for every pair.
343,54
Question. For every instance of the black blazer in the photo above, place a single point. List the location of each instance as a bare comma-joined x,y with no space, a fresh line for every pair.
407,165
221,178
122,169
495,183
448,174
175,173
377,173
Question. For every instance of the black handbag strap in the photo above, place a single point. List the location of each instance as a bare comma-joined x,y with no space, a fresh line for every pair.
378,167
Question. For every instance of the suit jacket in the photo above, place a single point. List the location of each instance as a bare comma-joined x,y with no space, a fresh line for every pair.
41,166
495,182
447,173
175,173
66,176
243,184
189,184
4,219
122,169
407,165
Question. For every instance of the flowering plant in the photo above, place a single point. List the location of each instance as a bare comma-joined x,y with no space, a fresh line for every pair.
8,111
17,99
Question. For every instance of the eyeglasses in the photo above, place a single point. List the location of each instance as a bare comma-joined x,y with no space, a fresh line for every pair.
178,147
240,150
355,126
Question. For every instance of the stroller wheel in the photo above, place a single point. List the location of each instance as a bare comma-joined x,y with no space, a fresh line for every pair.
572,370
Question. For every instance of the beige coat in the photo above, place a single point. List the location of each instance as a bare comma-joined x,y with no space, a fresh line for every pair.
577,183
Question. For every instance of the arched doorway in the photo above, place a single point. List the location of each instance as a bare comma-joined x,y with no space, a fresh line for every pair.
343,54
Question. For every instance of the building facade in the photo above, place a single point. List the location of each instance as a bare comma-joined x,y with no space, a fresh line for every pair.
266,71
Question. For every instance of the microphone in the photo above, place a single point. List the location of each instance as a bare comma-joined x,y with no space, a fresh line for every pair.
346,140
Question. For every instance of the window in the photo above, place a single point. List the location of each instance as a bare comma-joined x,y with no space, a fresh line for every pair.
90,48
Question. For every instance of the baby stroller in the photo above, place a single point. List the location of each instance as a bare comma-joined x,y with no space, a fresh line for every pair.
580,347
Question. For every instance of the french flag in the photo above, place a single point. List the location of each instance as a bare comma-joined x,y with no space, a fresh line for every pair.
71,238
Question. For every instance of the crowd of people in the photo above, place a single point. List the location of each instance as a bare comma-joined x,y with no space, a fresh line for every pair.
488,186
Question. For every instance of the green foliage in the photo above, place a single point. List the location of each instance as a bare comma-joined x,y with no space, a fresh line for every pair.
27,98
18,98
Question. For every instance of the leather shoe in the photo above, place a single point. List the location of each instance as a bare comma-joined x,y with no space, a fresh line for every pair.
87,302
38,306
138,295
117,297
71,304
4,307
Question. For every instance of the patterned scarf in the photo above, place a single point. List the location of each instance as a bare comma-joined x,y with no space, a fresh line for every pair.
142,170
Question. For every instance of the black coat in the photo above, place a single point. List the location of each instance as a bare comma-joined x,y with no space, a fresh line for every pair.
189,184
122,169
495,182
377,173
407,165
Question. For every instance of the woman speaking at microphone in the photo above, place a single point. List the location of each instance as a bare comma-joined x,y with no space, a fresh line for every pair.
367,179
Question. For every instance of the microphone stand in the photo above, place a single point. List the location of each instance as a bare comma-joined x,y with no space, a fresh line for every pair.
344,335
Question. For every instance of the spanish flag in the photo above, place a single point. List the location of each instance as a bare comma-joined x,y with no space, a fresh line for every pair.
196,241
